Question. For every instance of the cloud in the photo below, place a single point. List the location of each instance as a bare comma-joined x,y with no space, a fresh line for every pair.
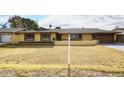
88,21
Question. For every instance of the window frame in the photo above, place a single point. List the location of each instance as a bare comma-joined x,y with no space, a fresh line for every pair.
75,36
29,37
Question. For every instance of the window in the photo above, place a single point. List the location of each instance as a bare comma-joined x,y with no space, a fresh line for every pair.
6,34
76,36
45,37
29,37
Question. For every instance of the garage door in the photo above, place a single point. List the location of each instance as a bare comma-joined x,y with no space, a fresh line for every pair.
104,38
120,38
6,38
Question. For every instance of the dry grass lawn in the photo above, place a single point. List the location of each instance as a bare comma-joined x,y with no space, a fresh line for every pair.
97,58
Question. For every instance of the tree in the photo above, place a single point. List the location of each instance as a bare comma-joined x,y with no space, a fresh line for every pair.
18,22
15,22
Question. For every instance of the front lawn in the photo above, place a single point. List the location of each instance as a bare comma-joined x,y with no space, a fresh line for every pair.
54,59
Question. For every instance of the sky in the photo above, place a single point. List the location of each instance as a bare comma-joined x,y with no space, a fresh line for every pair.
74,21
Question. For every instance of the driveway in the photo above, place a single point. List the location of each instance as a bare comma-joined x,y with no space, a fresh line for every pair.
115,46
3,44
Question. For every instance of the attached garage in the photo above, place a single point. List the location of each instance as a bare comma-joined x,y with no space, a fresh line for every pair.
6,34
6,37
104,38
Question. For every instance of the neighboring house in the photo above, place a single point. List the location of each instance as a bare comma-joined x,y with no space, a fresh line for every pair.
41,28
82,36
120,36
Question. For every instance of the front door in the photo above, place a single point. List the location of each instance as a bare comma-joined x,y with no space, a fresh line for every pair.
45,37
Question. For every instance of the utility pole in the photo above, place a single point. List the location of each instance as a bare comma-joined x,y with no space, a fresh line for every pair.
69,61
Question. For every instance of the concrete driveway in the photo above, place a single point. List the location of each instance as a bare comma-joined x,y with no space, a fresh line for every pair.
115,46
3,44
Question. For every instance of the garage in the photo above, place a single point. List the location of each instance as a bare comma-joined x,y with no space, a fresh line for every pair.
6,37
104,38
120,38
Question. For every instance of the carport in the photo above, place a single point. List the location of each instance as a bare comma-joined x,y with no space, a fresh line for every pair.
104,37
120,37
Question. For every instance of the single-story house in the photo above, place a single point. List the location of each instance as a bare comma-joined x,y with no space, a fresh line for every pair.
81,36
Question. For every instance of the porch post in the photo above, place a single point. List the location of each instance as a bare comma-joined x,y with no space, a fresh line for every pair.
114,38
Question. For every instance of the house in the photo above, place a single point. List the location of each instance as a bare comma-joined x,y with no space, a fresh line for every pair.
58,36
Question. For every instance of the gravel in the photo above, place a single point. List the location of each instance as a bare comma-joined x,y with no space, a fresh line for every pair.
59,73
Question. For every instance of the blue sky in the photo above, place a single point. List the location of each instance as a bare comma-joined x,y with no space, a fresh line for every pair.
74,21
35,17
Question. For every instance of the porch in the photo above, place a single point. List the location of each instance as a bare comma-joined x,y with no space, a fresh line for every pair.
53,39
37,38
79,39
